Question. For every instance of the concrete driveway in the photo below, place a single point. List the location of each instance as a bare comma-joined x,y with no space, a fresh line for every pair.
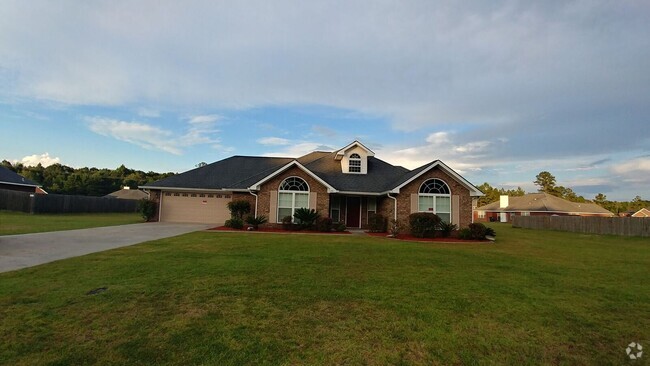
26,250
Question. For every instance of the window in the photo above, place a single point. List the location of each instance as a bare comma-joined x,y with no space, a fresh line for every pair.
167,194
481,214
293,194
335,209
525,213
372,207
355,163
435,197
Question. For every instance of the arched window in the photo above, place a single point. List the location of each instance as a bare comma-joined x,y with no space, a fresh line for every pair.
293,194
435,197
354,163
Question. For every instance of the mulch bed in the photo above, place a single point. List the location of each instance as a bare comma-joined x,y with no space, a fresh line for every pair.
275,230
438,240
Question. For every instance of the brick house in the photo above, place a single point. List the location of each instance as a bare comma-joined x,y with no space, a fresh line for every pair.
346,185
535,204
16,182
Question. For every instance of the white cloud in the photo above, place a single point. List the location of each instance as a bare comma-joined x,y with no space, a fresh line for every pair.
279,141
154,138
208,118
639,165
44,159
148,112
297,149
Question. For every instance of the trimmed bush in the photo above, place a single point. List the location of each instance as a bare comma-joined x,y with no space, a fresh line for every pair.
323,224
340,227
377,223
445,229
490,232
478,230
235,223
423,224
255,222
305,217
239,208
465,234
147,209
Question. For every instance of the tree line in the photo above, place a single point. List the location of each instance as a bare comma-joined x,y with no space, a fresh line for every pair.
547,183
62,179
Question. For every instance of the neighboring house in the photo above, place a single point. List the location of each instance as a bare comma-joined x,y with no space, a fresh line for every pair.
127,193
346,185
15,182
644,212
535,204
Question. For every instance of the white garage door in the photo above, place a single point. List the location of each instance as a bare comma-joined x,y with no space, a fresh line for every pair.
209,208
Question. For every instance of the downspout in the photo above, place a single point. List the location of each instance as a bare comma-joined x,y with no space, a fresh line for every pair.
394,200
251,192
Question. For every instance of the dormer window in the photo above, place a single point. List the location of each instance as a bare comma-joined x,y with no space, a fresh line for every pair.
355,163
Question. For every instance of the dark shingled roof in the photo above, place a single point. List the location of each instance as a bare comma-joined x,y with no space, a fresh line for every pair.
241,172
9,177
544,202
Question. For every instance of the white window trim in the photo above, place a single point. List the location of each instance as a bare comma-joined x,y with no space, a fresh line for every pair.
355,160
293,197
368,210
435,195
338,208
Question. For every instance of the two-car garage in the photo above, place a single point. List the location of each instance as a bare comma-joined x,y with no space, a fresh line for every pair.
195,207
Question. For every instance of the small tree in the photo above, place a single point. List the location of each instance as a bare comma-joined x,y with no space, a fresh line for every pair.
255,222
305,217
239,208
147,209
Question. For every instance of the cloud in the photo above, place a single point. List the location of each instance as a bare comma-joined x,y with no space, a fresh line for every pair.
155,138
278,141
297,149
208,118
639,165
44,159
149,113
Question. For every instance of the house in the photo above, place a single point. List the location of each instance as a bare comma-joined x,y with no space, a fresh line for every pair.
644,212
15,182
535,204
127,193
346,185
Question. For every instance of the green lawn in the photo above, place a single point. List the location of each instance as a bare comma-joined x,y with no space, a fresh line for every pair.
23,223
533,298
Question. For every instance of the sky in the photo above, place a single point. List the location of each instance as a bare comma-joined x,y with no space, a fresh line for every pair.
498,90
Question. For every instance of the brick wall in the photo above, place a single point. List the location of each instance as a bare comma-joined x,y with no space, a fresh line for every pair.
322,197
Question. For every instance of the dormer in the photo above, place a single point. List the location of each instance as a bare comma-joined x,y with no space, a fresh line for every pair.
354,158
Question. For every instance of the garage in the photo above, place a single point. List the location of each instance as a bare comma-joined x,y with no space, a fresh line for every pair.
195,207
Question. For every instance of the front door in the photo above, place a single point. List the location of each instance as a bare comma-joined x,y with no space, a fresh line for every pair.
352,218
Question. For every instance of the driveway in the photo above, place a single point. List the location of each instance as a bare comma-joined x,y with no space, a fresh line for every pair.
26,250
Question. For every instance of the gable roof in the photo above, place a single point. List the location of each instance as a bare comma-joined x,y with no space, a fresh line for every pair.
355,143
644,212
9,177
243,173
415,173
544,202
128,194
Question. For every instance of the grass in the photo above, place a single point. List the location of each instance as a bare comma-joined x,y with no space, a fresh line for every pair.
23,223
534,297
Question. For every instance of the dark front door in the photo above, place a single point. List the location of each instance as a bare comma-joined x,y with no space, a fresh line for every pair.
354,210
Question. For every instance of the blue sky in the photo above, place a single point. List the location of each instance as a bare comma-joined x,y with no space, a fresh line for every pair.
499,90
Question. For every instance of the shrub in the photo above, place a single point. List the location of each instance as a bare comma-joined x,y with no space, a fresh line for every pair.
255,222
306,217
340,227
239,208
445,229
235,223
377,223
478,230
147,209
287,223
465,234
323,224
490,232
423,224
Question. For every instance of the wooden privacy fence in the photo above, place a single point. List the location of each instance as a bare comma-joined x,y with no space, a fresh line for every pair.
624,226
61,203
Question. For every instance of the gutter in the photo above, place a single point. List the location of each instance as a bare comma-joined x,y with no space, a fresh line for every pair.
394,200
256,198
